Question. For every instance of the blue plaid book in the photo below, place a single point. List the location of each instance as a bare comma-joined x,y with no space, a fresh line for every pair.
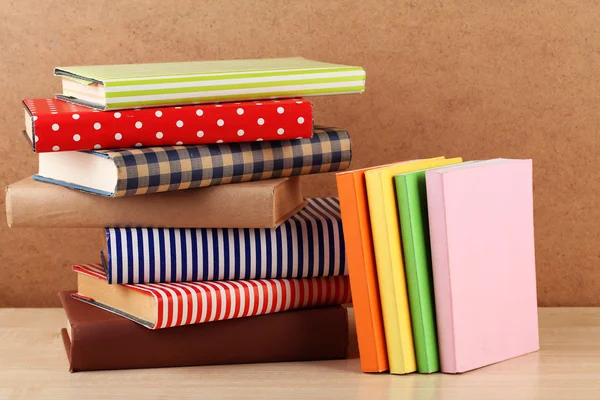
309,244
128,172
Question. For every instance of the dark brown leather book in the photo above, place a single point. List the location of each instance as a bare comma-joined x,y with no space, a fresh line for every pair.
96,339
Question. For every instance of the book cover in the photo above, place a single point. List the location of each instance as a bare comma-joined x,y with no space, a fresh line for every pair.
362,272
96,339
411,195
483,254
258,204
130,172
309,244
55,125
388,257
165,305
160,84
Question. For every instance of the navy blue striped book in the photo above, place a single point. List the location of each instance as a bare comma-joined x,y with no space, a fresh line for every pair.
309,244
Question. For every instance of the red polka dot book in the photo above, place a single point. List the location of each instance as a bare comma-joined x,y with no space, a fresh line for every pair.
55,125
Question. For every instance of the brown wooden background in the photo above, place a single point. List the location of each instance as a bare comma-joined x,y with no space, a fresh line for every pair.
477,79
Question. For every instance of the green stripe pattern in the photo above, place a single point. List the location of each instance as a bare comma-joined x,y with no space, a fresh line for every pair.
172,84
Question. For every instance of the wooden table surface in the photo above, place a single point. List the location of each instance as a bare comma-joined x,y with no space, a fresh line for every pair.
33,365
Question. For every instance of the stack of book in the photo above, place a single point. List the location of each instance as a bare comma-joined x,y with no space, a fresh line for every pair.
240,241
442,264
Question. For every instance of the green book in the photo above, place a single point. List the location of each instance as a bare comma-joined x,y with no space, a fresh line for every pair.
414,225
112,87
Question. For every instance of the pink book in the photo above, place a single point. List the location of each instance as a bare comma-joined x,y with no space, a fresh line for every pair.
481,229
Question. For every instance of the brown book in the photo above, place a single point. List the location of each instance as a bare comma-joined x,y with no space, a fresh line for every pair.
259,204
96,339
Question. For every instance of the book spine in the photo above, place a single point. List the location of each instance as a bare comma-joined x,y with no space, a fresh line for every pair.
122,344
365,296
248,205
417,277
189,303
440,266
160,169
398,337
210,89
60,127
309,244
422,268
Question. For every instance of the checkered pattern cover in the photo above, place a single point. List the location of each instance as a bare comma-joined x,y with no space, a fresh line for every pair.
162,169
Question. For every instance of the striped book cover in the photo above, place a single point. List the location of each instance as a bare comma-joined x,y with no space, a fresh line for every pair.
163,84
177,304
309,244
163,169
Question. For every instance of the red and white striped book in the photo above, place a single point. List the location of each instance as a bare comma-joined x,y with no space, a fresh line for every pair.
165,305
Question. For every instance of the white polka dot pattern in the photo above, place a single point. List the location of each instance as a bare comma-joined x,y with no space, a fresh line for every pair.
62,126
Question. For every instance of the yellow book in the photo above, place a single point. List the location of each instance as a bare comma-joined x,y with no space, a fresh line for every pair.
388,257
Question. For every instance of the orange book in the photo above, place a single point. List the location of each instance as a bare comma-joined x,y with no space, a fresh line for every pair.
363,273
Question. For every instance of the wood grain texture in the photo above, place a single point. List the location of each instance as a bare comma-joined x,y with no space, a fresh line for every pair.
34,366
477,79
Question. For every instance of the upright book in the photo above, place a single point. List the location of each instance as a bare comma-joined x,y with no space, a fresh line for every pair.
362,272
309,244
165,305
96,339
388,256
129,172
55,125
412,209
258,204
149,85
482,243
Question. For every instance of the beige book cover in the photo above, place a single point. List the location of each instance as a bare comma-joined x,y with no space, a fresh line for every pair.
259,204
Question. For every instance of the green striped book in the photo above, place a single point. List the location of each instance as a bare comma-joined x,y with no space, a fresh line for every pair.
113,87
